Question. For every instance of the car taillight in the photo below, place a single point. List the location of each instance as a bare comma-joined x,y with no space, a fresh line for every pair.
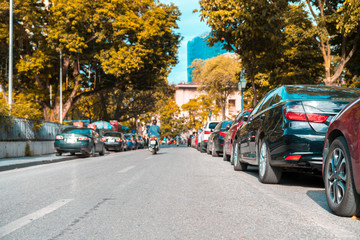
59,137
153,138
118,140
293,157
103,139
207,132
83,138
307,113
223,133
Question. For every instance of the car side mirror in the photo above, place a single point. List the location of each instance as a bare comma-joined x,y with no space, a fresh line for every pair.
245,118
228,127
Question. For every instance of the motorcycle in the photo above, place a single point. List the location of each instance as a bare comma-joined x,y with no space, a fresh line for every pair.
153,145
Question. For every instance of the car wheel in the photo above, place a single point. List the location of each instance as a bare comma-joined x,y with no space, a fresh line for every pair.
102,152
267,173
339,186
213,152
58,153
72,153
238,166
225,156
92,151
207,149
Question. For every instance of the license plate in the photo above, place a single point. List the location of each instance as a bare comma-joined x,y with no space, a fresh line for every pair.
71,140
152,142
111,140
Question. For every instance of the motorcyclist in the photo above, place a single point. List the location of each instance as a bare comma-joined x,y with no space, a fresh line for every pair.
154,130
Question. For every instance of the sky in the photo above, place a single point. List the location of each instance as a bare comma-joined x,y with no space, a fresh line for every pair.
190,27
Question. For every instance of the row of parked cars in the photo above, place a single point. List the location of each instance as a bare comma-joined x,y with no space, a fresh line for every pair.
88,141
296,127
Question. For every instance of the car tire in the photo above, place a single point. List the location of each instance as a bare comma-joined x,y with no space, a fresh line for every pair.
92,151
207,149
102,152
58,153
225,156
213,152
340,192
72,153
238,166
267,173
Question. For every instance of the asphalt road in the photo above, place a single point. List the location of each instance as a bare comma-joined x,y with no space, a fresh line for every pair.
179,193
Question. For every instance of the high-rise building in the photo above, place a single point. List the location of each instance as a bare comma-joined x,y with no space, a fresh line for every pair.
198,49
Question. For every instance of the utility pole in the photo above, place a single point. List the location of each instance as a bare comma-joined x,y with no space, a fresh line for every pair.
10,55
61,88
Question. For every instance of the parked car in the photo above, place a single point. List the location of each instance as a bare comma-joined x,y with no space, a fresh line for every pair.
341,165
230,135
216,139
140,141
286,130
204,136
79,140
114,141
129,143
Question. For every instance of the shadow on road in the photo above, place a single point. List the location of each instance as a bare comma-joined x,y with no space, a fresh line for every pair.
318,196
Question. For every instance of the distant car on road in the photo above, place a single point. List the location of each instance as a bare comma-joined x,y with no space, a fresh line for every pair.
341,162
230,135
216,140
114,141
79,140
204,136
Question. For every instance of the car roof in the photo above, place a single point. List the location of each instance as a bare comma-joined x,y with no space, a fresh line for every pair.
319,92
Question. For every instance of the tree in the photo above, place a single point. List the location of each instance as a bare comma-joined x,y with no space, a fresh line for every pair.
105,45
171,121
252,29
197,111
336,32
218,77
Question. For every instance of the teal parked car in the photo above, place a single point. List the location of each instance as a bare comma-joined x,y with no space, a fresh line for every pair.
79,140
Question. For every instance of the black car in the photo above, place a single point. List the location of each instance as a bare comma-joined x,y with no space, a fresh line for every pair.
216,138
286,130
83,140
114,141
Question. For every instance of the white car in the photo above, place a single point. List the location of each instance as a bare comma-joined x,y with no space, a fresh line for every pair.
207,130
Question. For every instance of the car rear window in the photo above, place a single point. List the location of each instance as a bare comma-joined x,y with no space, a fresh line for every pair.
212,125
317,92
79,131
224,124
112,134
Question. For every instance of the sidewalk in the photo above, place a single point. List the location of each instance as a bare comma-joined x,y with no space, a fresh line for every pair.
20,162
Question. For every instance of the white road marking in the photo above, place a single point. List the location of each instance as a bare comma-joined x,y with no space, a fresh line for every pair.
126,169
13,226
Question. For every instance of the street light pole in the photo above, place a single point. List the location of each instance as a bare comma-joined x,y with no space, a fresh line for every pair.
241,86
10,55
60,88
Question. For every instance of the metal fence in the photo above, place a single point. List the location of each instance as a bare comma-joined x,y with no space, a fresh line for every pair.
21,129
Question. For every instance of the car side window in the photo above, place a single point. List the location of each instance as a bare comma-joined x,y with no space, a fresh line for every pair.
264,103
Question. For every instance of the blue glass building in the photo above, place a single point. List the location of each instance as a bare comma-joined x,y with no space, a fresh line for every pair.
198,49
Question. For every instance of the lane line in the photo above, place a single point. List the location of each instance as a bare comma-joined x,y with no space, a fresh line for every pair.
13,226
126,169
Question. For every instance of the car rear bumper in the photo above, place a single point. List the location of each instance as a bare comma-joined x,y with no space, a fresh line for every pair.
72,147
305,149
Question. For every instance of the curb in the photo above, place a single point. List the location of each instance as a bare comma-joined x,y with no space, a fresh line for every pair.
34,163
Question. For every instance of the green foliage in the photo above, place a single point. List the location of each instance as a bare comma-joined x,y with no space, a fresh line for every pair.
171,122
105,45
218,77
197,111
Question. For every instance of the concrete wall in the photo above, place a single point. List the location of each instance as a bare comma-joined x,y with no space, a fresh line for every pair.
17,148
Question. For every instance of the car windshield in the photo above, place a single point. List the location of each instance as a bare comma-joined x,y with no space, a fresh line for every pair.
78,131
224,124
213,125
112,134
